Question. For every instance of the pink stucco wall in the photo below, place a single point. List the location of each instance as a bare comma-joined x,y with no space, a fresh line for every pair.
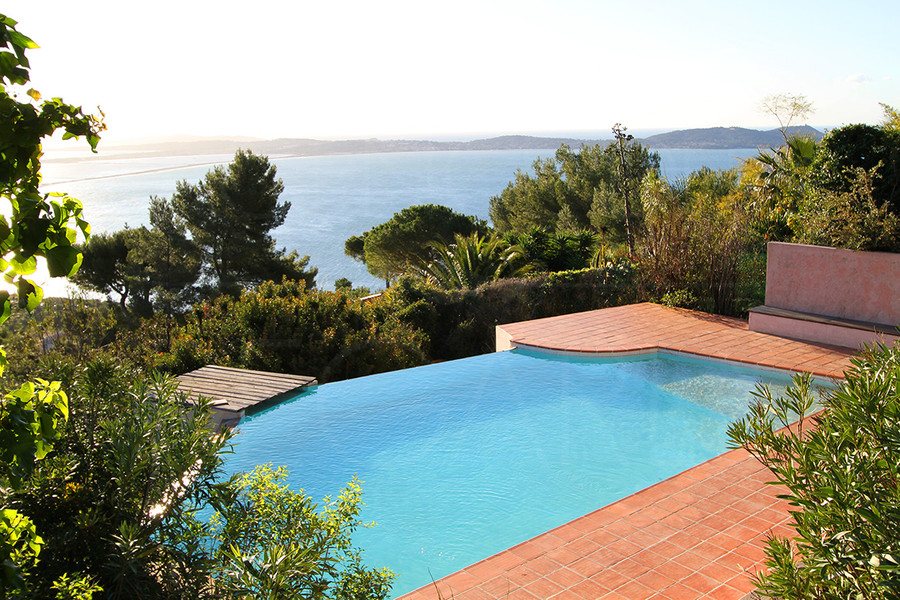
864,286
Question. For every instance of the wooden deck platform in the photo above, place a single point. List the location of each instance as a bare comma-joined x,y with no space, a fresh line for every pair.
237,390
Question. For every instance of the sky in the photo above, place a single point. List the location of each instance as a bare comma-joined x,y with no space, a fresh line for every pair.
457,70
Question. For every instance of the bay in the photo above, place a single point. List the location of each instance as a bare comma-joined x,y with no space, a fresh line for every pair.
332,197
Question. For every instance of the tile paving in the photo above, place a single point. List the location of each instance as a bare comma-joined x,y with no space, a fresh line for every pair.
693,536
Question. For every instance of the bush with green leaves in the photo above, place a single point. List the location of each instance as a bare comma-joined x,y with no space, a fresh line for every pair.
841,469
696,240
32,225
115,500
459,323
122,505
276,543
284,328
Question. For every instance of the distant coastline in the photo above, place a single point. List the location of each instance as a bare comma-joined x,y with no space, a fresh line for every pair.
714,138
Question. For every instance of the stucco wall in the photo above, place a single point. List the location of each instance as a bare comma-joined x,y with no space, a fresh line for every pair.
863,286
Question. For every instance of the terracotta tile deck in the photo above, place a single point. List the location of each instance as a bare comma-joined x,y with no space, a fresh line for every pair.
696,535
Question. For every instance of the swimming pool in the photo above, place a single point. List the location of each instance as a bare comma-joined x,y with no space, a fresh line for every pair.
463,459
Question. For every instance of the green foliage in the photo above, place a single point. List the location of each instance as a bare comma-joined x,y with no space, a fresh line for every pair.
541,250
61,330
78,588
844,191
780,180
577,190
30,417
852,219
33,226
146,268
20,546
840,469
875,150
230,215
105,267
469,262
695,238
275,543
891,122
461,323
345,286
406,239
284,328
112,501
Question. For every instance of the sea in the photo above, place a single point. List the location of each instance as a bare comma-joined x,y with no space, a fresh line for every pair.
332,197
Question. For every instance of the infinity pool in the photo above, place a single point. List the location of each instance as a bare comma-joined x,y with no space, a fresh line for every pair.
463,459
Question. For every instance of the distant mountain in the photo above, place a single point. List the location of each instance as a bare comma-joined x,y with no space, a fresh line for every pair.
727,138
310,147
711,138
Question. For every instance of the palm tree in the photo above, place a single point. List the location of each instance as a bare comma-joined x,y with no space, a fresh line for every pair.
470,261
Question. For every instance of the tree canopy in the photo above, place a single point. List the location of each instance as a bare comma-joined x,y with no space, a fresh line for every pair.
583,189
391,248
230,215
843,191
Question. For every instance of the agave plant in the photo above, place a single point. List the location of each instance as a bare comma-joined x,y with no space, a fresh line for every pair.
470,261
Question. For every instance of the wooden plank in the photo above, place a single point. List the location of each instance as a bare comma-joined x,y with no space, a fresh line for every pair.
237,389
237,379
232,377
293,382
250,374
229,387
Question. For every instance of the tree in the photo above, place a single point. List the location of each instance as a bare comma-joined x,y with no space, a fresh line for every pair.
389,249
469,262
694,238
230,215
32,226
841,469
621,140
144,267
173,258
577,190
785,108
105,267
846,150
891,120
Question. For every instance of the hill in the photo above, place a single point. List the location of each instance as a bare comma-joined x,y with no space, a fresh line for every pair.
726,138
710,138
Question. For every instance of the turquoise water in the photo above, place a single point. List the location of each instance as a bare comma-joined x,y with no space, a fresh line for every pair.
332,197
463,459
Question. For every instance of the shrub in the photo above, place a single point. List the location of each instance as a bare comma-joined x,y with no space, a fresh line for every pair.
461,323
841,469
283,328
274,543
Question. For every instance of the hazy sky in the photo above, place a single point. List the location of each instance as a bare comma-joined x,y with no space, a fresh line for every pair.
423,68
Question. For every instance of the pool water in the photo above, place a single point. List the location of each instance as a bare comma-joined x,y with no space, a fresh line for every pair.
463,459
